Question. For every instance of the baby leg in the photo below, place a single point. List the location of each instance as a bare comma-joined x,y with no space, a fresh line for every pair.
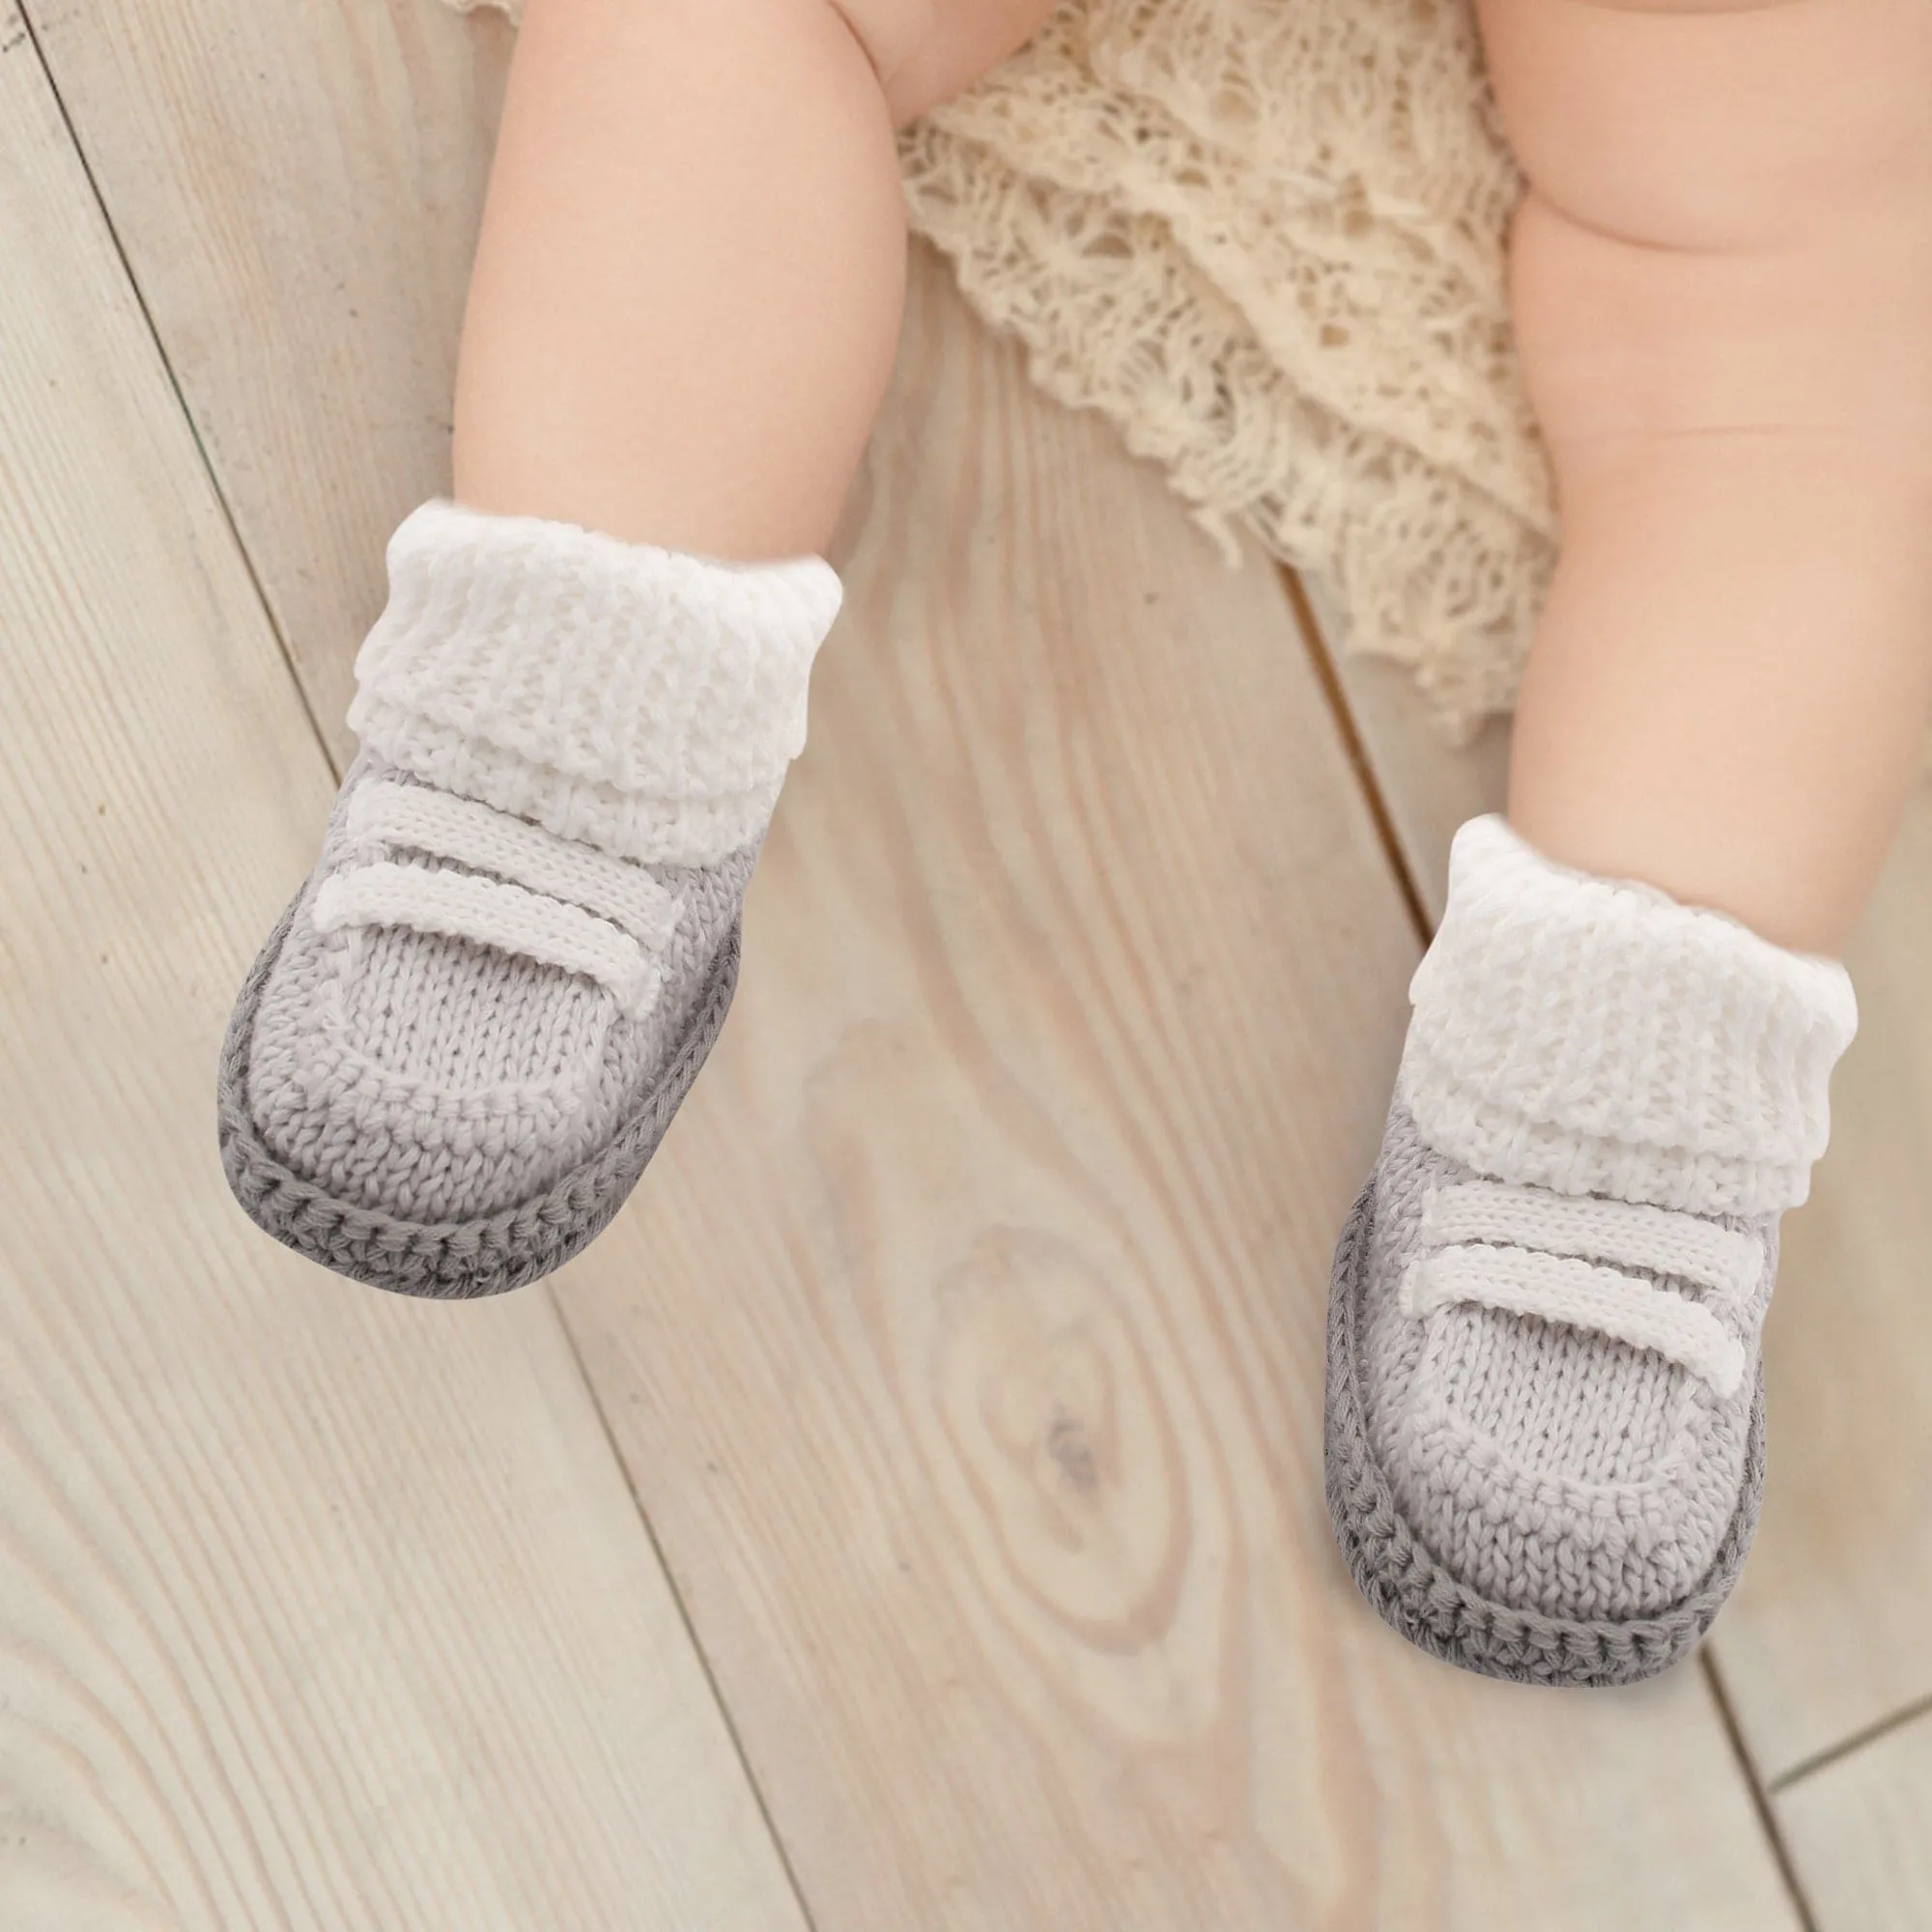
464,1043
1545,1431
688,285
1722,284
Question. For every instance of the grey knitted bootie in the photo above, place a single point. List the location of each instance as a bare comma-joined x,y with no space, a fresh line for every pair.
470,1029
1545,1409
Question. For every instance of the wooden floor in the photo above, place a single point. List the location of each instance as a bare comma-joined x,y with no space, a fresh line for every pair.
909,1517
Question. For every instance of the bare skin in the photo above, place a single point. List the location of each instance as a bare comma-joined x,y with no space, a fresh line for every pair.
1722,283
689,283
691,275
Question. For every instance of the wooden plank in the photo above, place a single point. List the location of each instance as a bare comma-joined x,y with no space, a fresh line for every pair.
297,184
1861,1834
1826,1634
1173,1635
316,1609
1427,786
966,1343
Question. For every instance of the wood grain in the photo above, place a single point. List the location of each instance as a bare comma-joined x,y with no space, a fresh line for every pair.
966,1338
316,1609
297,184
966,1341
1861,1834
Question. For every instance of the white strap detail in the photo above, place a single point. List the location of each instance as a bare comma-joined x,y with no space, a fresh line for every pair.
439,822
1559,1288
1631,1234
464,906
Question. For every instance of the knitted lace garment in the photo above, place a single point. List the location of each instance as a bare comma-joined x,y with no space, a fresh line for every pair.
1266,237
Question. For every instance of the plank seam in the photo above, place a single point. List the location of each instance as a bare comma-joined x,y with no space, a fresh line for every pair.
1760,1793
686,1620
1856,1740
1320,656
147,314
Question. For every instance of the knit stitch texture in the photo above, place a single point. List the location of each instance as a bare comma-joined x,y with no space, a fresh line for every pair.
1544,1429
1594,1037
657,716
469,1031
1420,1596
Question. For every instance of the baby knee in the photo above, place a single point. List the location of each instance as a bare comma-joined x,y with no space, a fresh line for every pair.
895,34
1716,124
926,51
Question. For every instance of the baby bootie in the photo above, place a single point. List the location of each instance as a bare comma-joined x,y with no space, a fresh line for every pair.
1546,1410
472,1027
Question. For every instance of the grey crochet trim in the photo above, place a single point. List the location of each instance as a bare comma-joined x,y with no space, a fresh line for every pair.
449,1260
1417,1596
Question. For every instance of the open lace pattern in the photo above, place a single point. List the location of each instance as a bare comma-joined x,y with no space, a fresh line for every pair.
1267,239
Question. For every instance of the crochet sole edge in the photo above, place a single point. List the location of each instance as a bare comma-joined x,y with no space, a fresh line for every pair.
448,1260
1415,1595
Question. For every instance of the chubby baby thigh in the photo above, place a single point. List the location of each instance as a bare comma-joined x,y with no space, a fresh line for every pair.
1716,124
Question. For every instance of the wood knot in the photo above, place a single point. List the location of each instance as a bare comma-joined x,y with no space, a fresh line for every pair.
1051,1409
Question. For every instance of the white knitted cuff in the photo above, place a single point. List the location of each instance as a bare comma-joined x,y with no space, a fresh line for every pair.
1598,1037
640,700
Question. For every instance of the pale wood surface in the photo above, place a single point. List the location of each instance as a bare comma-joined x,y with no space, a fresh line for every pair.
297,184
965,1342
1861,1834
1827,1631
1427,787
316,1609
987,1450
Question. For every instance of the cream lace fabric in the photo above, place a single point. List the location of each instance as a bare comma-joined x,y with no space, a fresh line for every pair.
1266,238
